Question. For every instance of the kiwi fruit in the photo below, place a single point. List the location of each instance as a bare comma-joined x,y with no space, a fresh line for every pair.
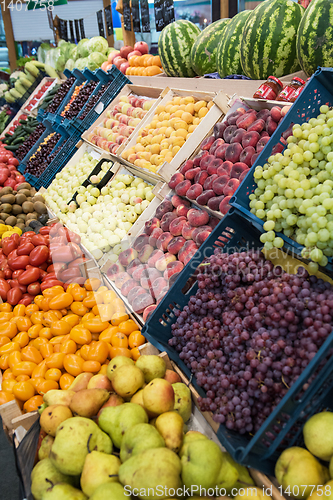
38,197
22,217
8,198
26,192
21,225
11,220
6,207
3,216
6,190
20,198
24,185
39,207
16,209
28,207
32,215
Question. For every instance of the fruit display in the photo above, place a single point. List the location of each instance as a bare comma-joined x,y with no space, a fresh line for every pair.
121,58
302,209
104,216
145,270
174,48
205,47
15,122
78,99
19,132
68,180
39,161
224,159
62,335
171,126
146,65
42,91
119,122
94,99
228,50
30,141
60,95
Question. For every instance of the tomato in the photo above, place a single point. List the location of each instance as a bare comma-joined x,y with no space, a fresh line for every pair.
13,161
119,351
9,244
96,325
69,274
42,273
50,276
77,262
33,403
73,364
38,240
25,248
119,340
99,351
136,339
79,280
30,353
4,289
49,284
14,296
47,385
17,273
127,326
92,284
61,301
45,230
55,228
29,276
46,350
28,234
66,381
26,299
55,360
34,288
57,267
23,390
12,256
8,273
23,324
5,397
39,255
19,262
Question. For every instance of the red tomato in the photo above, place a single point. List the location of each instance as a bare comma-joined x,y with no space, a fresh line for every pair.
39,255
13,161
55,228
27,234
44,230
49,284
34,288
38,239
8,273
50,276
19,262
58,240
14,295
9,244
57,267
16,284
29,276
12,256
74,238
64,253
77,262
26,300
4,158
4,289
68,274
42,273
25,248
17,273
2,275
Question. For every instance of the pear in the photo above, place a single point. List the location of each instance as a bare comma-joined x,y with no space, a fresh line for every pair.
87,402
116,420
126,380
116,363
58,397
201,464
170,425
297,467
183,400
323,492
65,492
114,400
158,396
100,381
45,447
99,468
172,376
318,435
41,408
152,367
43,474
114,491
252,493
54,416
80,382
140,438
138,399
74,439
154,472
189,437
244,479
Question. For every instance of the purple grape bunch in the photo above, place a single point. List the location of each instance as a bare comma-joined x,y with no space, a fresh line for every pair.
248,333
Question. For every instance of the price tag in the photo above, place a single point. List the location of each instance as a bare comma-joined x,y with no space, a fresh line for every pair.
145,19
127,15
159,15
100,23
71,29
136,16
169,12
108,20
83,34
77,30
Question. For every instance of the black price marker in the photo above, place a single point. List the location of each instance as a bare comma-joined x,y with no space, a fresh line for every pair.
71,29
77,30
65,30
108,20
100,23
127,15
169,12
145,20
136,16
83,34
159,14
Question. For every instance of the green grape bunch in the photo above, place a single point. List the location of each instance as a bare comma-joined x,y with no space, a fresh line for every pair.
294,193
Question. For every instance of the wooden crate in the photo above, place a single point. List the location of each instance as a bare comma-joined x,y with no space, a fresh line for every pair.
34,111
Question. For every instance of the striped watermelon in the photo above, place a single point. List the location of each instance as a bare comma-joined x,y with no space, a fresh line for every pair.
268,44
203,52
315,36
228,51
174,48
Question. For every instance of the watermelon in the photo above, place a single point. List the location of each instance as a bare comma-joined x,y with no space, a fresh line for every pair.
174,48
203,52
315,36
268,45
228,51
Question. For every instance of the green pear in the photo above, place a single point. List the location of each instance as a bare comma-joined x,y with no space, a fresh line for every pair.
87,402
41,408
114,491
152,366
140,438
65,492
201,464
252,493
244,478
153,472
116,363
99,468
126,380
53,417
189,437
74,439
116,420
171,427
325,491
58,397
228,475
45,447
43,474
297,467
318,435
183,400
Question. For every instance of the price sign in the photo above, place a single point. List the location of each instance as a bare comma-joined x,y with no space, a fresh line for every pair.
77,30
83,34
127,15
159,14
71,29
169,12
108,20
136,16
145,20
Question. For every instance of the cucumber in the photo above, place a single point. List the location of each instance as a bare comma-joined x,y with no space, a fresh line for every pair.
18,140
30,130
12,148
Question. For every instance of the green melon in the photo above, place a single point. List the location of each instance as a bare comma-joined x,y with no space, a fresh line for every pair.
174,48
315,36
228,51
268,44
203,52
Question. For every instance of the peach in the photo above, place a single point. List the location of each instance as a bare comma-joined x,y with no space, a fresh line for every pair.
263,114
217,143
187,248
132,266
271,125
128,286
213,222
166,220
187,231
239,168
201,177
278,148
121,279
246,155
199,230
163,241
176,244
254,158
207,143
155,256
197,159
176,179
243,175
135,292
182,210
261,144
190,174
233,117
114,270
233,152
186,166
150,225
219,184
148,311
154,236
257,126
177,224
138,273
231,187
209,182
197,217
214,165
224,205
141,302
205,196
206,161
229,132
114,400
172,376
220,152
237,136
145,253
158,285
214,203
162,263
219,128
148,277
126,256
194,191
99,381
173,268
247,119
189,256
177,200
276,114
163,208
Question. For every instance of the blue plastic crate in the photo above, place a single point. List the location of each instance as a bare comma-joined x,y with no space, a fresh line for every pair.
49,129
283,428
318,91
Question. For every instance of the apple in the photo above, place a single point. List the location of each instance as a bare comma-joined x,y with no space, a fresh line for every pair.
118,61
123,67
113,55
124,51
134,53
142,47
